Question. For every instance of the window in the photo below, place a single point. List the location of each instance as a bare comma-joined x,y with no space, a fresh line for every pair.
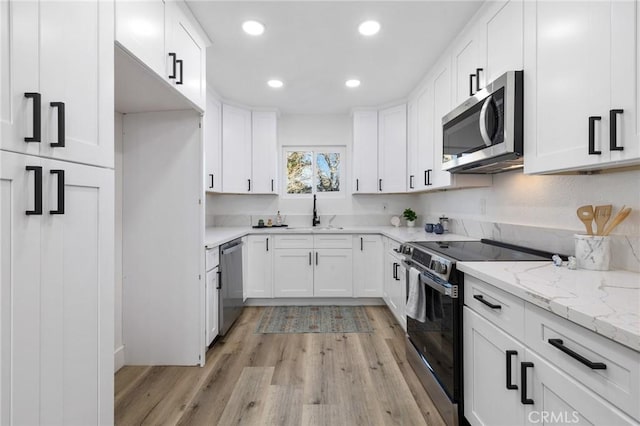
314,170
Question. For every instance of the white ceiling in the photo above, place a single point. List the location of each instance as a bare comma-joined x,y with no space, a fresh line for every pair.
314,47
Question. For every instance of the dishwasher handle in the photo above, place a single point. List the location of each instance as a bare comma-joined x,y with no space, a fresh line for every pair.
231,249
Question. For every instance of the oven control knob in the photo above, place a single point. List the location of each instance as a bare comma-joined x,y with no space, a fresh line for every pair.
439,267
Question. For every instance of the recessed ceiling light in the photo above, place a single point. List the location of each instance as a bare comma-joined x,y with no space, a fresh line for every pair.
352,83
276,84
369,28
253,27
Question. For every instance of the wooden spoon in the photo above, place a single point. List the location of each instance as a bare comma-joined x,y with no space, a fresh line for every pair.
585,214
601,216
622,215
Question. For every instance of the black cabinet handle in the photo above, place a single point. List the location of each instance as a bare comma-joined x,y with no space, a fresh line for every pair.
61,124
173,72
613,130
37,202
60,209
394,270
471,84
429,183
481,299
510,385
557,343
219,283
249,182
411,181
592,135
271,185
211,186
523,392
179,62
361,244
267,240
316,258
380,184
357,184
309,258
478,71
37,122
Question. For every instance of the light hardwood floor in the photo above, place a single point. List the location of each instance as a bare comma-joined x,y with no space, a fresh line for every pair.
283,379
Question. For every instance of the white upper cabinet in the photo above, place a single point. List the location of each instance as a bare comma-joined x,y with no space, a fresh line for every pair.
365,152
140,29
392,149
213,145
236,149
581,85
61,54
412,144
264,153
441,106
465,56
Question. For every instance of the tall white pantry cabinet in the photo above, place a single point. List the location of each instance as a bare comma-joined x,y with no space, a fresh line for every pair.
56,212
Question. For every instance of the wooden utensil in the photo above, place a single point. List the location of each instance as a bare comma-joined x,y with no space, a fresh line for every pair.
585,214
601,216
622,215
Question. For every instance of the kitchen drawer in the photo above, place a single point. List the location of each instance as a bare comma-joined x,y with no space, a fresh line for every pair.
510,314
333,241
619,382
293,241
212,258
393,245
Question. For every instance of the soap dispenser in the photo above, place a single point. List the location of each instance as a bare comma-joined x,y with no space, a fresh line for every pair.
278,219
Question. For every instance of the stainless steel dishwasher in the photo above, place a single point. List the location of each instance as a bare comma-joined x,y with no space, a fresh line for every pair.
230,286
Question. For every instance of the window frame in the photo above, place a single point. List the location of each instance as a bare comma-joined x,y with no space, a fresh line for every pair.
314,149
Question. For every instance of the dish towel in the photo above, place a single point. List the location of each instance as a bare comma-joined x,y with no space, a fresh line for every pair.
416,302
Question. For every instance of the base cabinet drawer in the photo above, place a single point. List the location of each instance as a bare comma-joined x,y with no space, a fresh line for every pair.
332,241
293,241
212,258
602,365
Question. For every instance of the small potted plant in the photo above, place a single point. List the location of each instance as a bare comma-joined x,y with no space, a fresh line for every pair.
410,216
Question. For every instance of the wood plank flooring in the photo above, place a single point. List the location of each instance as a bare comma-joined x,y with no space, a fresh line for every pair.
283,379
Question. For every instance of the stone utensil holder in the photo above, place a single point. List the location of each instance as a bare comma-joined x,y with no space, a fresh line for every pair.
593,252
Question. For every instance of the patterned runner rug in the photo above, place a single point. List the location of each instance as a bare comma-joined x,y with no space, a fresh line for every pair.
314,319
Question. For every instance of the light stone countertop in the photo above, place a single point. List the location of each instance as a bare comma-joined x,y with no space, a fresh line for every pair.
606,302
214,236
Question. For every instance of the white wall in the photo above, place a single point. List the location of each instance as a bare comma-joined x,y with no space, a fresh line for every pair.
119,344
311,130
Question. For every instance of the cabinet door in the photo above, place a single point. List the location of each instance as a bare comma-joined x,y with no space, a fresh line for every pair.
236,149
260,266
365,152
400,294
426,124
211,306
579,63
213,145
487,401
264,150
412,145
293,273
76,305
441,107
333,275
466,61
368,268
77,69
140,29
19,74
20,275
183,40
392,149
389,282
562,398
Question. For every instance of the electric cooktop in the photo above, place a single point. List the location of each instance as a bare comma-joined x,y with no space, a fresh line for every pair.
484,250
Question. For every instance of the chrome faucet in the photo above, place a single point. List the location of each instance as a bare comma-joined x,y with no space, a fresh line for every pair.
316,218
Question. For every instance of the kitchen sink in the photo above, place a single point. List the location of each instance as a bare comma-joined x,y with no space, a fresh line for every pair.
316,228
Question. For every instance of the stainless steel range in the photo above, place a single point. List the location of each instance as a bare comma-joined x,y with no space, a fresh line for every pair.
434,346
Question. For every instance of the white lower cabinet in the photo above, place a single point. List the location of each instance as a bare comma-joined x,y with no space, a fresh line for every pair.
211,305
56,292
259,279
395,286
333,274
293,273
368,268
508,382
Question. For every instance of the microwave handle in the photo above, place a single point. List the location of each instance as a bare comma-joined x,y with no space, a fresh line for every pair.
483,120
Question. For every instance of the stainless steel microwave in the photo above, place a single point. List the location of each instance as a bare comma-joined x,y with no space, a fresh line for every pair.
484,134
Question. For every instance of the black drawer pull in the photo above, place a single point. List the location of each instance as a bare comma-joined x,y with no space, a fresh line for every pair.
267,240
411,181
380,185
361,244
309,258
471,84
481,299
61,121
510,385
478,71
557,343
592,135
173,67
60,209
271,185
211,186
37,123
316,258
249,182
37,185
179,62
613,130
523,392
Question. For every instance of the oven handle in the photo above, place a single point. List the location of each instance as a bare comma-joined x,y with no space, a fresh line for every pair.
483,121
425,279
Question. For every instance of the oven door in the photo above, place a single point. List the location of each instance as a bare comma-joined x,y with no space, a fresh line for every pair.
438,340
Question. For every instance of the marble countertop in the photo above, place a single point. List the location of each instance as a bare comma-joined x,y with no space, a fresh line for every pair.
214,236
606,302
